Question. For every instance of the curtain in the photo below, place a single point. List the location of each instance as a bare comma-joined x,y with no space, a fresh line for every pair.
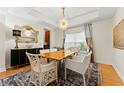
88,34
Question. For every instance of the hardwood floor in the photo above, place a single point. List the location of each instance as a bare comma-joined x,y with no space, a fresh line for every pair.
109,76
13,71
107,72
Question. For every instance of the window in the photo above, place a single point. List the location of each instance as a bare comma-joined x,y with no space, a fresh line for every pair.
76,40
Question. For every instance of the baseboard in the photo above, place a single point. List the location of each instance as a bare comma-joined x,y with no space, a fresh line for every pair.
103,62
119,72
8,66
2,69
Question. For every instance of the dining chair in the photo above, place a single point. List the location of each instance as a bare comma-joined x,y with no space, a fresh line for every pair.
79,55
44,51
42,73
79,65
74,49
53,50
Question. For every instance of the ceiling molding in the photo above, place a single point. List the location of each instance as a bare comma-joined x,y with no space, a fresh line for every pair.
49,16
83,14
75,26
84,19
48,24
42,18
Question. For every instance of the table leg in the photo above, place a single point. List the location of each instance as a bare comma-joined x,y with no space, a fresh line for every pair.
58,70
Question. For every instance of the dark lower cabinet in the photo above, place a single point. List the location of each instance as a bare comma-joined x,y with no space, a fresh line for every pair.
22,57
15,57
19,58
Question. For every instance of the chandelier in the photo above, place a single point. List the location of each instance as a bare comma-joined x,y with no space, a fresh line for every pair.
63,23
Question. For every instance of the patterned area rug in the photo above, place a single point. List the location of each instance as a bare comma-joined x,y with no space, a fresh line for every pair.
73,79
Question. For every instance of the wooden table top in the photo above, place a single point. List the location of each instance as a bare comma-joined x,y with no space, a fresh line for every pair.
58,55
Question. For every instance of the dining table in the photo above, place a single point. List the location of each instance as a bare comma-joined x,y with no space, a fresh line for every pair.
59,56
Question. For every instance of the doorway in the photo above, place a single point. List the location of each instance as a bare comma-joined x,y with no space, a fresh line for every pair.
46,39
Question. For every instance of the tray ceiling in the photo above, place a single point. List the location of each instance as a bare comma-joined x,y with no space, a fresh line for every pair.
51,15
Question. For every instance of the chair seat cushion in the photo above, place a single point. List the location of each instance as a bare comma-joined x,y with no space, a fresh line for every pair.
44,67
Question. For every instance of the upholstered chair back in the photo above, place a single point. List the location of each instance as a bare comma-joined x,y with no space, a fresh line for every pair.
86,61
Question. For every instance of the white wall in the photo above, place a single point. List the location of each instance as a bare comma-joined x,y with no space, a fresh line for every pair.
2,43
59,38
119,62
119,54
102,41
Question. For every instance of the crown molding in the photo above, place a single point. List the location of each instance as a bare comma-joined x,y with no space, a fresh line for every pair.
83,14
49,25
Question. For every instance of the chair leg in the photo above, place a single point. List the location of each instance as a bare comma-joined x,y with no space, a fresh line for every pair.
89,71
29,81
84,80
57,80
32,79
40,81
65,74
